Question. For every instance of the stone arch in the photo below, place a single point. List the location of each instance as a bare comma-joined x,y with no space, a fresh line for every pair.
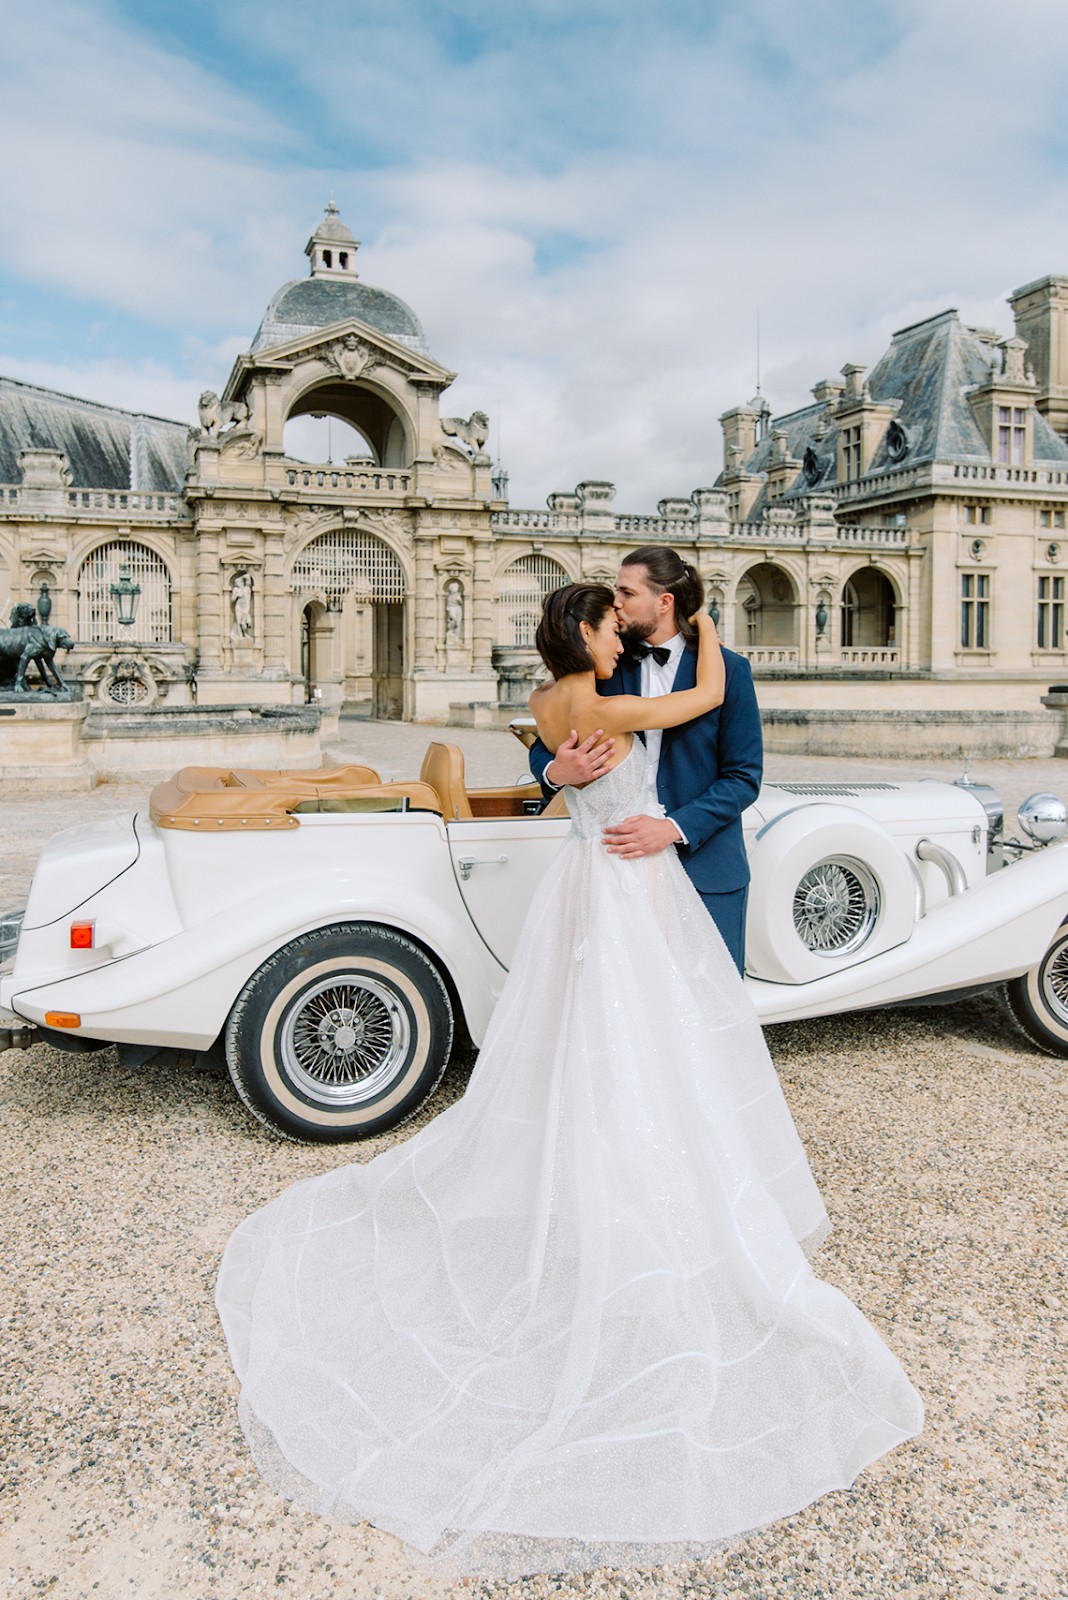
521,587
359,639
311,618
99,569
869,603
766,607
371,409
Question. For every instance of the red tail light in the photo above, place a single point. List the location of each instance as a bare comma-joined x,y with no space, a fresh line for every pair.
82,935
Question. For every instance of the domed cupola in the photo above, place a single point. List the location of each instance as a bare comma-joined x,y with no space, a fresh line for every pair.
333,292
332,248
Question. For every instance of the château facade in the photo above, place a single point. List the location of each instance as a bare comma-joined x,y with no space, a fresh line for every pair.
892,557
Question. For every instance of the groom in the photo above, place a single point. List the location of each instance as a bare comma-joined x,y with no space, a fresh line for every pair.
704,773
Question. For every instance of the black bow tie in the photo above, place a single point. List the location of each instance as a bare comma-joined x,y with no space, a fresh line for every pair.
659,652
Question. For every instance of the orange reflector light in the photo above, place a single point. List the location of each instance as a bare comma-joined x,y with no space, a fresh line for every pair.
62,1019
81,935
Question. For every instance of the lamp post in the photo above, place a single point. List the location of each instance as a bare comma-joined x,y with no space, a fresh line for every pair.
125,594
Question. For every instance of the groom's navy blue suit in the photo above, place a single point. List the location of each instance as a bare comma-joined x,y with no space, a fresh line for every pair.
709,772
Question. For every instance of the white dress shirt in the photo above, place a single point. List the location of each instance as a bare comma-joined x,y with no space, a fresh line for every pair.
658,680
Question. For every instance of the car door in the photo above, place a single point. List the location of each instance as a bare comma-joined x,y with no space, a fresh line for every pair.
499,862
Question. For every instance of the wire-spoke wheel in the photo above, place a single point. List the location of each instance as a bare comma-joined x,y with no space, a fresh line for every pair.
1040,997
836,906
341,1034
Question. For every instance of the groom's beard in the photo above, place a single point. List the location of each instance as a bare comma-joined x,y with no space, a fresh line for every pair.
634,634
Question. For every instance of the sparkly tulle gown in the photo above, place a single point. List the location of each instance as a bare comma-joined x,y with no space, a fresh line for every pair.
570,1322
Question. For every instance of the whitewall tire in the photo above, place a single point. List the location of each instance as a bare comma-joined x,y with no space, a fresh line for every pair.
341,1034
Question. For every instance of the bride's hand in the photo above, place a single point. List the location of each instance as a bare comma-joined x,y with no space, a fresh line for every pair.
704,624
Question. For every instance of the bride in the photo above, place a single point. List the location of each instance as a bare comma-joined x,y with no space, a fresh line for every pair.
571,1322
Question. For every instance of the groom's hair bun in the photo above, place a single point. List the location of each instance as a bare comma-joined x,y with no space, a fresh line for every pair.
669,573
559,638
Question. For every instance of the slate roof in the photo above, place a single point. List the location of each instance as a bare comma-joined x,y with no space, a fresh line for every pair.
305,305
929,368
107,448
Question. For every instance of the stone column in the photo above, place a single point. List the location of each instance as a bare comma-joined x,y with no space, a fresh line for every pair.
209,604
482,605
275,602
425,602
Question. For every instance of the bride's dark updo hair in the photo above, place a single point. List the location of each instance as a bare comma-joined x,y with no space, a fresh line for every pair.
669,573
559,638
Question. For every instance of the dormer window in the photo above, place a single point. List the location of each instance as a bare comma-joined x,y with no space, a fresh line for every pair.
851,453
1012,435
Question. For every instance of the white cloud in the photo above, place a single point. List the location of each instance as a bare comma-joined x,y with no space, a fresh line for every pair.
132,386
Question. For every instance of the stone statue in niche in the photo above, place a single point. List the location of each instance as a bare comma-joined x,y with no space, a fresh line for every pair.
454,614
241,605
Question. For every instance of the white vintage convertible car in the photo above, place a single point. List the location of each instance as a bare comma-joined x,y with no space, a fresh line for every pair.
330,931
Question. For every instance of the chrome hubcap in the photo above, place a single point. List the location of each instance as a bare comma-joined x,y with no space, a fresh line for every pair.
344,1039
836,906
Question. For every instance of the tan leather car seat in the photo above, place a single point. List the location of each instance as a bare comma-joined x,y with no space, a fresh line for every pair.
443,769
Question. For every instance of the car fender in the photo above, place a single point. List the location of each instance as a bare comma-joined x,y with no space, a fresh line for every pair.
788,847
181,990
998,929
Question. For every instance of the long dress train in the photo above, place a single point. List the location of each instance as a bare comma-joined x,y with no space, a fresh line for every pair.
571,1321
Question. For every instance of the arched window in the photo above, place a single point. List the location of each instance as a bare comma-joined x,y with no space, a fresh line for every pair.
348,561
98,620
868,610
523,587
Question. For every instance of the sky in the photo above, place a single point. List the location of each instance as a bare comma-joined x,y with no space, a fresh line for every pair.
592,205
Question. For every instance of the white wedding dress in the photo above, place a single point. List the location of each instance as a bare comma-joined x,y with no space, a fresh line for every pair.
570,1322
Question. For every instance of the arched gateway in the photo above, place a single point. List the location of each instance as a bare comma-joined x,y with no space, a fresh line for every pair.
350,591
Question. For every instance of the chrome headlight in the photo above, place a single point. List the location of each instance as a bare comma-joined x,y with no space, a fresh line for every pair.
10,928
1043,818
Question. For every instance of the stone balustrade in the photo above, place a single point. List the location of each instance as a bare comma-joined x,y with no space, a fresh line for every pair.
125,502
350,480
869,656
769,655
96,502
686,530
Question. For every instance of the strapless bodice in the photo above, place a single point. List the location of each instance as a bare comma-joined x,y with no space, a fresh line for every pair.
623,792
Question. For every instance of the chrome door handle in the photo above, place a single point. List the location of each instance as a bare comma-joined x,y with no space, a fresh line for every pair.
467,862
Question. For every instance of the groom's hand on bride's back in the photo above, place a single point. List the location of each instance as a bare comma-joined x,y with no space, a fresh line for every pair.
578,763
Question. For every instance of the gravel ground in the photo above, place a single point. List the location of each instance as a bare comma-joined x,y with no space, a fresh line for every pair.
937,1137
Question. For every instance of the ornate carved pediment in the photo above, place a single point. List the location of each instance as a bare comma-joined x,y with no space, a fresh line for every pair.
240,558
454,567
351,357
331,347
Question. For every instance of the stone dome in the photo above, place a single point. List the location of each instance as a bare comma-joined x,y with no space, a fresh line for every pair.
306,305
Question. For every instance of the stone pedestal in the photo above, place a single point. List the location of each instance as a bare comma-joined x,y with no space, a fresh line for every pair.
1057,700
146,744
40,746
